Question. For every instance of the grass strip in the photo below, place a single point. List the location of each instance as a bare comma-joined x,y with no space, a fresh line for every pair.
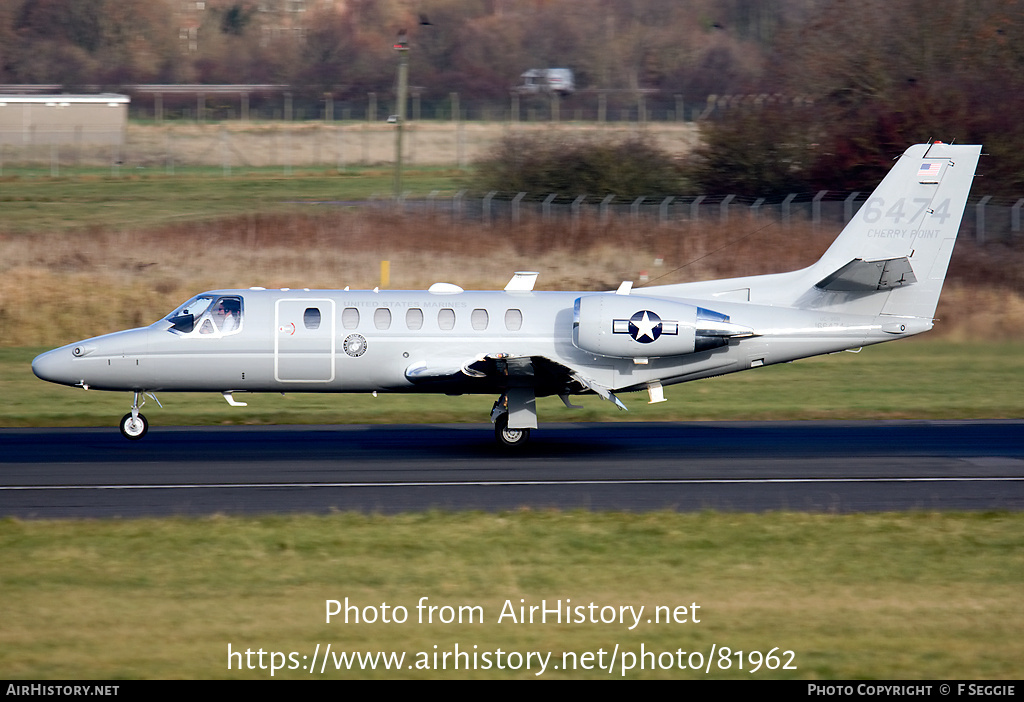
890,596
32,204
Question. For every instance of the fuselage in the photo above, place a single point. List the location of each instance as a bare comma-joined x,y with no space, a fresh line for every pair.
386,341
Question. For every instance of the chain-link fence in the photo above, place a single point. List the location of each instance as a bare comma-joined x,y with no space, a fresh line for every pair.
985,218
233,148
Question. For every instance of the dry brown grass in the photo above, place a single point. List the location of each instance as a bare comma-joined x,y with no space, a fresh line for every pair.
55,288
303,144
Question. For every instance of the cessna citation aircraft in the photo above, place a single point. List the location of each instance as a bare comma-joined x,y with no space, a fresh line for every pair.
880,280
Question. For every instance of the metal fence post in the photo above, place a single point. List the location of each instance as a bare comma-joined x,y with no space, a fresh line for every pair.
487,206
723,208
515,207
634,209
457,203
340,137
756,207
695,207
785,207
979,219
816,207
225,162
547,206
460,136
604,207
1015,215
663,209
576,211
848,207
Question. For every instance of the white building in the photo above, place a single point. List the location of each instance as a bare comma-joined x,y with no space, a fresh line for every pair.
63,119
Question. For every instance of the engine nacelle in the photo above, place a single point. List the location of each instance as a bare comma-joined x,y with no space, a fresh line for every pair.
629,326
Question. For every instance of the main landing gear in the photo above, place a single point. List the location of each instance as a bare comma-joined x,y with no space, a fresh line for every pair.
509,438
514,415
134,425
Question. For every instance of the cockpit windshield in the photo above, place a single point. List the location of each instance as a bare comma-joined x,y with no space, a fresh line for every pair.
210,315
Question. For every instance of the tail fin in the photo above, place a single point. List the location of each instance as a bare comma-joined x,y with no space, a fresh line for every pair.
892,256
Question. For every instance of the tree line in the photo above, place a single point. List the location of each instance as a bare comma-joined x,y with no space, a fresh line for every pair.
475,47
855,80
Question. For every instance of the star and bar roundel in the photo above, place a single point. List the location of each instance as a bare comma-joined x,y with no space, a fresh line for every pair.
645,326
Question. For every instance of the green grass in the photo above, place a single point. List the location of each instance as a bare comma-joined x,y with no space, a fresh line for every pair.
920,595
91,198
919,379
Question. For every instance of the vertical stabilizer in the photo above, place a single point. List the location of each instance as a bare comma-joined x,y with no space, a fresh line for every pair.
892,256
890,259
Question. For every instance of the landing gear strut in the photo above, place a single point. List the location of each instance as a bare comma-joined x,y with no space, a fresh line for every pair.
518,407
134,425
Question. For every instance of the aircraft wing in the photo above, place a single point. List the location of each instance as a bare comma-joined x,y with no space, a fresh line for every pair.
497,371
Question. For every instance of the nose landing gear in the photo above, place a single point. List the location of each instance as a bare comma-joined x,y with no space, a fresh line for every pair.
134,425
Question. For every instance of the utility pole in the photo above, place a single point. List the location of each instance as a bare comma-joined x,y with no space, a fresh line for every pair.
402,47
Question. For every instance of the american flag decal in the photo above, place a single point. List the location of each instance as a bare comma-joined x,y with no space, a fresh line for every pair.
929,172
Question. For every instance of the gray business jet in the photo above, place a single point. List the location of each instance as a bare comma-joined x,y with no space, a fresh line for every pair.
880,280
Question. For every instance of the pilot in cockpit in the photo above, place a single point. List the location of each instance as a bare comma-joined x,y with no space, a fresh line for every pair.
227,315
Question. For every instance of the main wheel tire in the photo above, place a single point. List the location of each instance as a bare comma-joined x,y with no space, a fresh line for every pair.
134,429
509,438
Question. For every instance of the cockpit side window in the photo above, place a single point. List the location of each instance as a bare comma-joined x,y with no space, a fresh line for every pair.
227,314
208,315
183,320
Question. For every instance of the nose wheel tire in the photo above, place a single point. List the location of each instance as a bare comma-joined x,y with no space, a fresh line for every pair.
134,428
509,438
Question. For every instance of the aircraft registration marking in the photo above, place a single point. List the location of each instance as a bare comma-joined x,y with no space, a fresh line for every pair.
876,209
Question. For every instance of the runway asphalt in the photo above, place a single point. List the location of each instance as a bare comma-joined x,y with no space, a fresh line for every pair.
816,466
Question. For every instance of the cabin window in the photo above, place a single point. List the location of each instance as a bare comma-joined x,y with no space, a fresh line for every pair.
513,320
446,318
479,319
382,318
350,318
414,318
311,318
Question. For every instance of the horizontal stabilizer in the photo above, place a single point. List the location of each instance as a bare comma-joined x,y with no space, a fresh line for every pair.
870,276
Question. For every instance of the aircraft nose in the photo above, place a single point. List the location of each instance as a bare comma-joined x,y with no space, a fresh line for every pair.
55,366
